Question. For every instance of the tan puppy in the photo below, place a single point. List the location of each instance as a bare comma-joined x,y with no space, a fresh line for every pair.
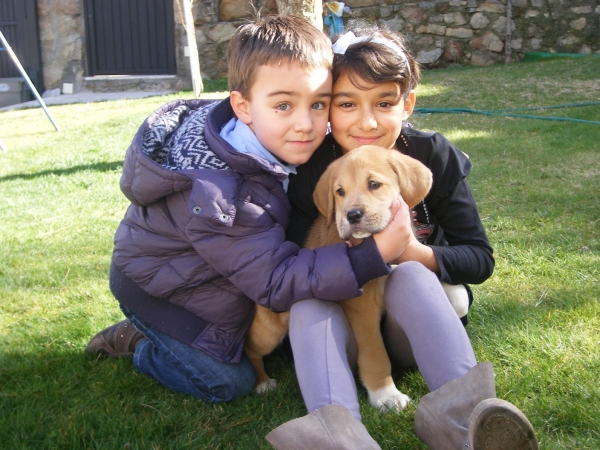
266,332
354,197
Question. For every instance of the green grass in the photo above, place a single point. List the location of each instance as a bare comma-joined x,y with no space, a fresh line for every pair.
537,319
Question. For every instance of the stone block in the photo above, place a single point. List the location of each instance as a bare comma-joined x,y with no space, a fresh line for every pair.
454,18
221,32
459,32
413,14
396,24
432,29
492,42
230,10
578,24
360,3
429,56
482,58
582,9
453,52
492,6
479,20
531,13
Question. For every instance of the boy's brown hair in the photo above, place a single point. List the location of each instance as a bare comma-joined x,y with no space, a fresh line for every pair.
273,40
374,62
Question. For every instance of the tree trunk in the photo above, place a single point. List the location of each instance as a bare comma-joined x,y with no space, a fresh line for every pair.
311,10
190,29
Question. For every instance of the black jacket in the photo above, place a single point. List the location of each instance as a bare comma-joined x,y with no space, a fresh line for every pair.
447,220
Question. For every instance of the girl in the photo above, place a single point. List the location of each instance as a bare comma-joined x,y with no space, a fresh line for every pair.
373,95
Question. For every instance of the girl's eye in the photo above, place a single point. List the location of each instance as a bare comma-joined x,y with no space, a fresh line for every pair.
319,106
340,192
284,107
373,185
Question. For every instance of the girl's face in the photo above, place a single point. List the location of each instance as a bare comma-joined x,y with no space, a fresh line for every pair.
371,116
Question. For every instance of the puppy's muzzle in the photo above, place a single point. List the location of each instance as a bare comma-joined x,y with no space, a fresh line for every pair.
354,216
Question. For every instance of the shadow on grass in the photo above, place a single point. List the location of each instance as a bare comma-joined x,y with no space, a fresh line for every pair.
97,167
67,399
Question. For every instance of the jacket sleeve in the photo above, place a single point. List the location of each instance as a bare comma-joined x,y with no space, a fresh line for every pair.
468,257
252,253
464,254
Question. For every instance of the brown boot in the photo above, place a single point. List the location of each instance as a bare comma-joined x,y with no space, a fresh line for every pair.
117,341
465,413
328,428
499,425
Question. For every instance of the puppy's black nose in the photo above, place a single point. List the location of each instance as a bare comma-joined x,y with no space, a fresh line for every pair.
354,215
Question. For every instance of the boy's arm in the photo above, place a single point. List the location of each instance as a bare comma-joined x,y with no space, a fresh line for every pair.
275,273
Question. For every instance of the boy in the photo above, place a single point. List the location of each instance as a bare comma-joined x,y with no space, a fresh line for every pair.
204,237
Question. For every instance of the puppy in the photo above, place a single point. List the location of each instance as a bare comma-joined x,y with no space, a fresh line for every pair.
266,332
353,197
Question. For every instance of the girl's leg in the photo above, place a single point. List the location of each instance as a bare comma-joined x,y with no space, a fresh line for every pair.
187,370
324,352
422,328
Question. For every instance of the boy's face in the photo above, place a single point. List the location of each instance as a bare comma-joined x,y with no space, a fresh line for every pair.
371,116
288,109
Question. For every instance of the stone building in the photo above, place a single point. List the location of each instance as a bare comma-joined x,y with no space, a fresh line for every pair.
439,32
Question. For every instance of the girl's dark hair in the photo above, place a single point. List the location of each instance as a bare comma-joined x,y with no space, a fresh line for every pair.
373,62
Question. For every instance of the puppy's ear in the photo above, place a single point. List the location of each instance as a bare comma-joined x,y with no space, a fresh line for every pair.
414,178
323,194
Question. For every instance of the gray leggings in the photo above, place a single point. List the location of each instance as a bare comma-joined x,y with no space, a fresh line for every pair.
420,329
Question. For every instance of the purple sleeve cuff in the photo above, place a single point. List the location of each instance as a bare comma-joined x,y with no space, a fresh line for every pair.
366,262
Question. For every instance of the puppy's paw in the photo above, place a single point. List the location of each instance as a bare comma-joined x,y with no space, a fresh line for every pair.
388,398
266,386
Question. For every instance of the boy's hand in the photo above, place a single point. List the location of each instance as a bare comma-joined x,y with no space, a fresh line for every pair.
392,241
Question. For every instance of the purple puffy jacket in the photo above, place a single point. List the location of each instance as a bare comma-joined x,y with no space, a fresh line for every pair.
209,241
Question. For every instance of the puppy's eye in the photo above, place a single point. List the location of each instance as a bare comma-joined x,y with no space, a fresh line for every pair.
340,192
374,185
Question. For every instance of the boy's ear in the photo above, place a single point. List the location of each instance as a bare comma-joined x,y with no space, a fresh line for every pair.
240,107
409,105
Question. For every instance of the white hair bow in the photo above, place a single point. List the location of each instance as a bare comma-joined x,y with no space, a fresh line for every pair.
349,38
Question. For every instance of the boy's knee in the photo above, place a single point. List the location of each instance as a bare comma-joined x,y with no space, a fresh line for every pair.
230,386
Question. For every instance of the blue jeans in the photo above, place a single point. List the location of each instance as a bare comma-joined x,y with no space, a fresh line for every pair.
187,370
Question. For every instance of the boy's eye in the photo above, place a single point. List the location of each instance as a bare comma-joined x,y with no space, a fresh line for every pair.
284,107
386,105
346,105
373,185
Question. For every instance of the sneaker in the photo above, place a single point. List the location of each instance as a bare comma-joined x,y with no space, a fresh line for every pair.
117,341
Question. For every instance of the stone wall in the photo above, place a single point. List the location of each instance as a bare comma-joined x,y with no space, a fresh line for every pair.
62,42
439,32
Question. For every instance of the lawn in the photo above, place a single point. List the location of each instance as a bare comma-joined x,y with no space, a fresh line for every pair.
537,184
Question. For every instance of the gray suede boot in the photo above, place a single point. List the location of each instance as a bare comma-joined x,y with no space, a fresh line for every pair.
327,428
465,414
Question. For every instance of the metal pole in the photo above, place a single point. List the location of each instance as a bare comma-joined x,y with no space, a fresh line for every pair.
31,86
508,38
